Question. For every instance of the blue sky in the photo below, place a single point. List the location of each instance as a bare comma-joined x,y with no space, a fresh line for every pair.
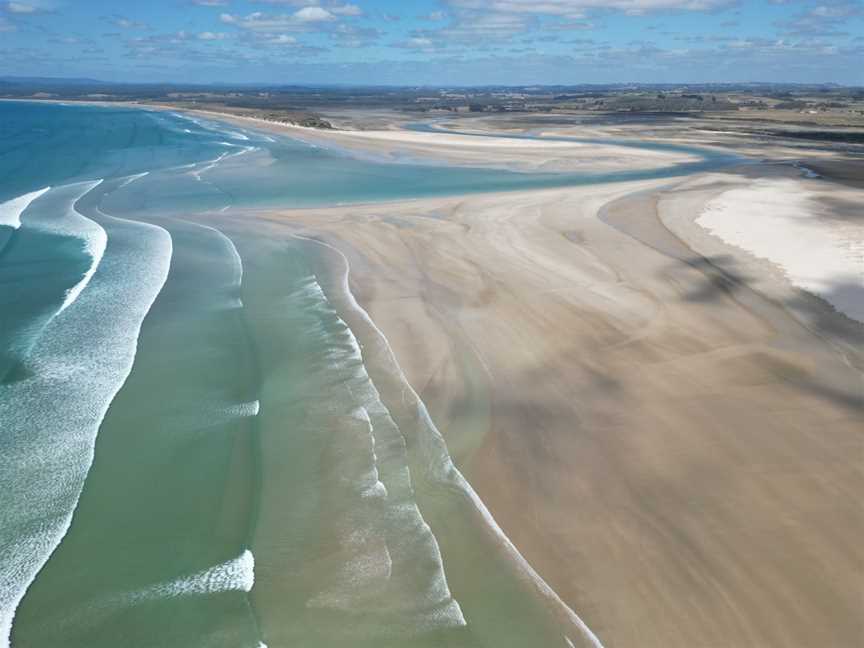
435,42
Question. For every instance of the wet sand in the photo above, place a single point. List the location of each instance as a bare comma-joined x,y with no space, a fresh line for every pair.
668,432
397,145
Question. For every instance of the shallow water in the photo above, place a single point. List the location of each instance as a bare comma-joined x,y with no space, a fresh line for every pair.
194,448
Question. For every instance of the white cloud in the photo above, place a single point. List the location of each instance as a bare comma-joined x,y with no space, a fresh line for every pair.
20,8
293,3
276,28
577,8
313,14
488,21
840,10
17,7
352,36
822,20
475,28
346,10
306,19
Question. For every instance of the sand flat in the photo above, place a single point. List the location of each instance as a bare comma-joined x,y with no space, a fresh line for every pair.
660,442
469,150
663,424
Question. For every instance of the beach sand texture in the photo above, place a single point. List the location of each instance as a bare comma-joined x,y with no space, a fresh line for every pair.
676,451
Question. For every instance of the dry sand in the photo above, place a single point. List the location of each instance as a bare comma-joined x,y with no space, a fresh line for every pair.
786,222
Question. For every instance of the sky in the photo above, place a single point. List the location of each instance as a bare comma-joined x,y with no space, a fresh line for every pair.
435,42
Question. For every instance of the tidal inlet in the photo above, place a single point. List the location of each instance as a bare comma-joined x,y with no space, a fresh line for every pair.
351,365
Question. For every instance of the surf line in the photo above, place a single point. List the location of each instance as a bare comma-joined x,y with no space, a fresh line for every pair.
95,241
10,211
209,165
234,575
450,468
132,179
64,365
250,409
396,506
89,232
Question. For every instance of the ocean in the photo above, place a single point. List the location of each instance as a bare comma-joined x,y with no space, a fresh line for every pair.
195,448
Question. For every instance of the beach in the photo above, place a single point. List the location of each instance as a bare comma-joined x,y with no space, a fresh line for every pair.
664,423
397,143
397,393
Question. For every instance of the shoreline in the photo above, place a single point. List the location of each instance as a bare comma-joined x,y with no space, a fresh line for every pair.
645,409
416,268
400,395
469,150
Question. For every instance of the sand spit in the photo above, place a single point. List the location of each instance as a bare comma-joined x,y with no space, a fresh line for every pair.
468,150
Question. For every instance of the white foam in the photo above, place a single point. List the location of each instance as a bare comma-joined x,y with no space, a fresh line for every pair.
249,409
388,564
10,211
211,164
236,281
213,126
95,240
73,223
383,535
366,566
132,179
235,575
189,118
207,166
77,366
237,136
441,465
243,150
207,415
781,221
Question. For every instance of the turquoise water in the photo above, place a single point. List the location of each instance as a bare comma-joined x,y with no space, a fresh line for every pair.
194,450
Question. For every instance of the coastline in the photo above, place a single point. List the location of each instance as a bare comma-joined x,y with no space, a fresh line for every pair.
618,385
399,145
621,340
433,273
